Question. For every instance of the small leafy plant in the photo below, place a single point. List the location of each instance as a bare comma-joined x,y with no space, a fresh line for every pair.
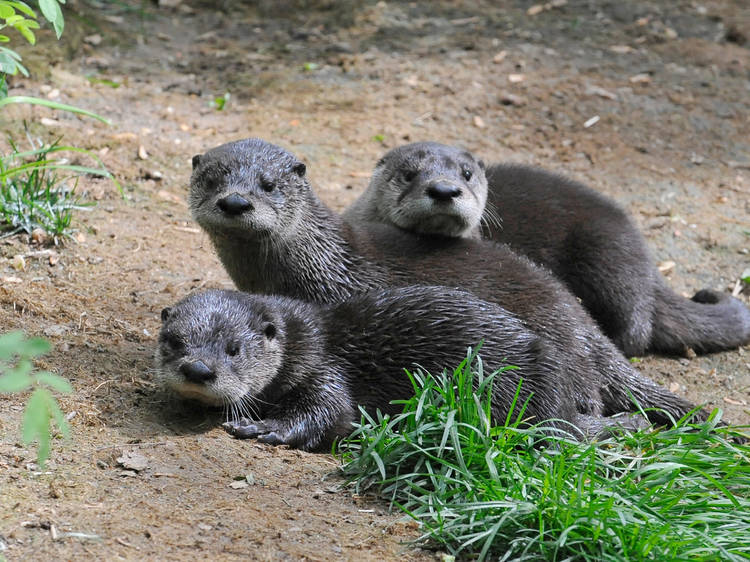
17,374
33,194
533,493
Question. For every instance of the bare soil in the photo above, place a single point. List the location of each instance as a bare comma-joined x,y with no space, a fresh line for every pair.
338,84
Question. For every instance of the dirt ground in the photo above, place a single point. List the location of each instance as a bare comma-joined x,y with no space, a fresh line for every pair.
647,101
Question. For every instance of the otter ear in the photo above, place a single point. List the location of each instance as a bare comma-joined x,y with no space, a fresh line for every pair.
196,160
165,313
481,165
299,168
269,330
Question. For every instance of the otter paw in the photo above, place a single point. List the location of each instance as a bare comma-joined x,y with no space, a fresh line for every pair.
245,428
272,438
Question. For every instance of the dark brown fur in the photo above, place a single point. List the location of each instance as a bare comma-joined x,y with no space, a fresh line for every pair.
275,236
583,237
294,373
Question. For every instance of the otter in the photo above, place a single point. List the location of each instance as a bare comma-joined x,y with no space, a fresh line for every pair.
583,237
274,236
295,373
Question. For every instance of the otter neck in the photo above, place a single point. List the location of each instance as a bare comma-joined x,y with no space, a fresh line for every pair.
311,261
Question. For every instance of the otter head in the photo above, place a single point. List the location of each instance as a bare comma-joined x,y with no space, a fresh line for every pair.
247,188
221,348
429,188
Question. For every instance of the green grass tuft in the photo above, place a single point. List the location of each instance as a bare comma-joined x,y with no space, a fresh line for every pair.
33,194
522,493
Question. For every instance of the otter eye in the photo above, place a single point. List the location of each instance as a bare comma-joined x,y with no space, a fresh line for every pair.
267,185
233,349
173,342
466,173
213,183
409,175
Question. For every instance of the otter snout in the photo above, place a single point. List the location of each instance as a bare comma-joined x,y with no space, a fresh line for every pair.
234,204
197,372
442,191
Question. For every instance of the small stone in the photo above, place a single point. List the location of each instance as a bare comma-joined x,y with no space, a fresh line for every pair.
642,78
591,122
18,263
506,98
500,57
133,460
601,92
94,39
55,330
478,122
142,154
39,236
666,267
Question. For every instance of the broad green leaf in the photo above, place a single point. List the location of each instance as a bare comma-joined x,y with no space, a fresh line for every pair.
54,381
34,347
6,11
10,343
27,33
22,7
15,381
36,419
53,14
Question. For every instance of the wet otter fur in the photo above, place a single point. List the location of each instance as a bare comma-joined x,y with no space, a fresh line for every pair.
582,236
292,372
274,236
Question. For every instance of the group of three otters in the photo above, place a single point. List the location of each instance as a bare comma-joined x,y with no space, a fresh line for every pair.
334,308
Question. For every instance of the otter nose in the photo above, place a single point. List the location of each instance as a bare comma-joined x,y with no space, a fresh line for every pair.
443,191
197,372
234,204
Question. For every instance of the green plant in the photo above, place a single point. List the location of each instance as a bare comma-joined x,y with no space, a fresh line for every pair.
17,374
220,102
533,493
23,19
33,194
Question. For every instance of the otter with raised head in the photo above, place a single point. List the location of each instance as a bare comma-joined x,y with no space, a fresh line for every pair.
292,372
580,235
274,236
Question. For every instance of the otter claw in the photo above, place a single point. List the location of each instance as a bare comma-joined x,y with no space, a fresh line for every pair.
272,438
243,428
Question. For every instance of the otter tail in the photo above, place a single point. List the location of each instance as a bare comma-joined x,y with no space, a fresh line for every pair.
660,405
710,321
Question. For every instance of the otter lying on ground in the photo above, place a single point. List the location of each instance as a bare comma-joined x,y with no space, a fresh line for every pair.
583,237
274,236
299,370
